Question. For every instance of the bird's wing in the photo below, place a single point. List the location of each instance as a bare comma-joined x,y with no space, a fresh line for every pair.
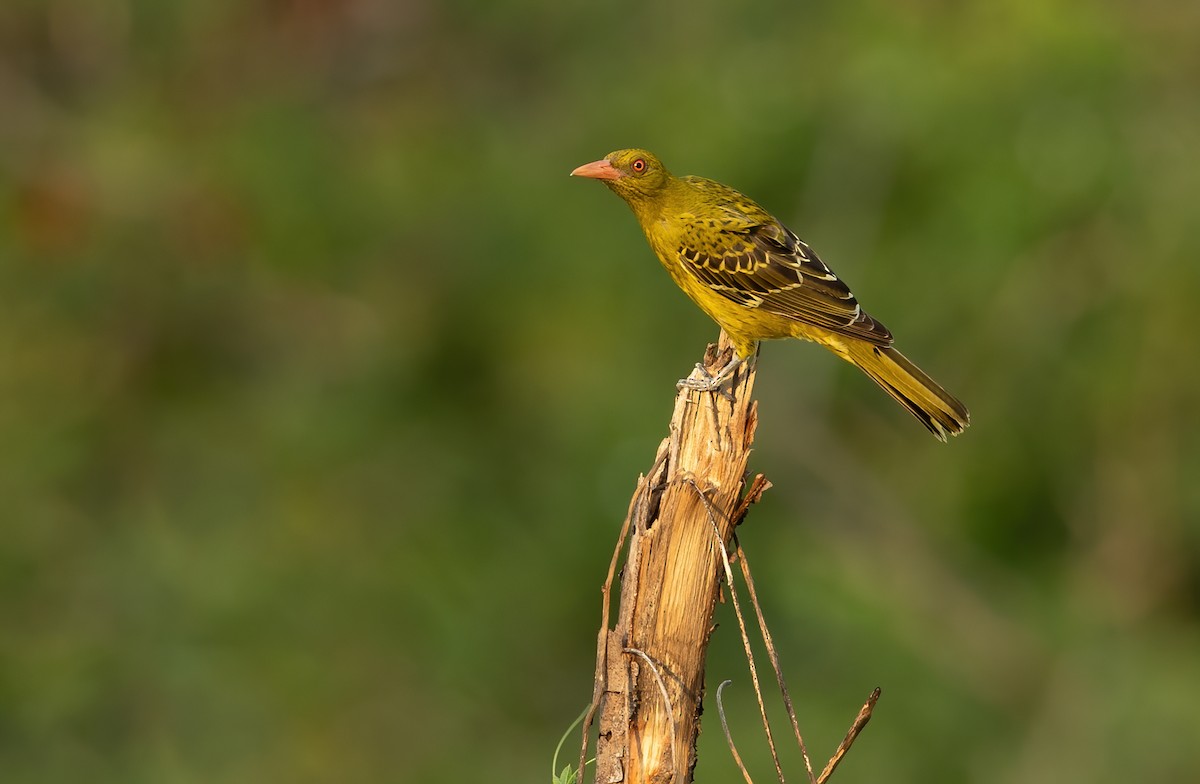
757,262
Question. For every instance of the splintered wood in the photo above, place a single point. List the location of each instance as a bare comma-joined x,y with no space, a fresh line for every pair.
650,677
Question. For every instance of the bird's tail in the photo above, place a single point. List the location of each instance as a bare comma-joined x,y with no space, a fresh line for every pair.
939,411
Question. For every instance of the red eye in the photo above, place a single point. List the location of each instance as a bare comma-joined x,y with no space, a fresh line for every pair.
639,166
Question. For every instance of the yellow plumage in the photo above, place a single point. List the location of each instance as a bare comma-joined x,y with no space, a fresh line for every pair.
758,280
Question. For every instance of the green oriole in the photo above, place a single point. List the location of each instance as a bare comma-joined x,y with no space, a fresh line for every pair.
758,280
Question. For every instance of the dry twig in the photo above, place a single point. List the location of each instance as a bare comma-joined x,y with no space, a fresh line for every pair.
860,721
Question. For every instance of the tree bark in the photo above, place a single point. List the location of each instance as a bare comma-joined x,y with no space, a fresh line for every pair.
652,668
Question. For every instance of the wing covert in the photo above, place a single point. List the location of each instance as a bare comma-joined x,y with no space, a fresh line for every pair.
765,265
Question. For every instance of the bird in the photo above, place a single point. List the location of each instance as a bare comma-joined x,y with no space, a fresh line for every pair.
759,281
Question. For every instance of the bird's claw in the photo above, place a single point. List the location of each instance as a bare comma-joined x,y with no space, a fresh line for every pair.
721,382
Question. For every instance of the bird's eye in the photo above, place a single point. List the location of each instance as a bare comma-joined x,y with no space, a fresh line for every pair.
639,165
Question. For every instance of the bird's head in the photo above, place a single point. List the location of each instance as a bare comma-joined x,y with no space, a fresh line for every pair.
635,175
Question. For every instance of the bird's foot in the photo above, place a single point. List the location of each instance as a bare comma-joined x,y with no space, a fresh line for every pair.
719,382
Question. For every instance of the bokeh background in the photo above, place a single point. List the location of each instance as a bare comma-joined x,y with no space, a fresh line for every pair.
323,389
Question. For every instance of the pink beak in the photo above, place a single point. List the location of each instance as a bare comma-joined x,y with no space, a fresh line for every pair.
598,170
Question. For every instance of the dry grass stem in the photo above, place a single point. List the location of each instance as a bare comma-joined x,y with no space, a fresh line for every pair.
602,637
728,737
737,610
773,655
662,689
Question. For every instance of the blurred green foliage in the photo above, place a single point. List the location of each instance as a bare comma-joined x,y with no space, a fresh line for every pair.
323,388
